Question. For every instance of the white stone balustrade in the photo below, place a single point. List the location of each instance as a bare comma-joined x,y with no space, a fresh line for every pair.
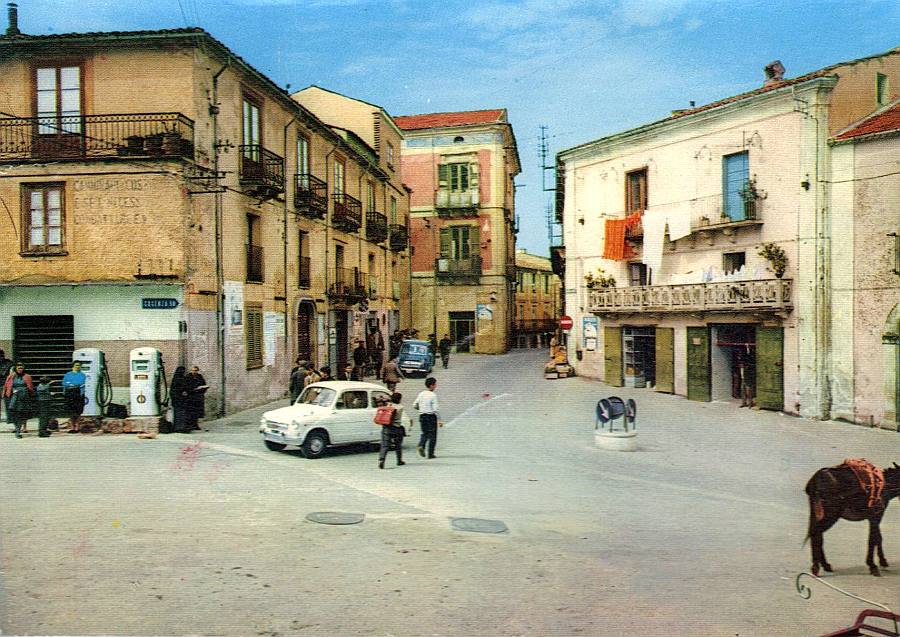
723,296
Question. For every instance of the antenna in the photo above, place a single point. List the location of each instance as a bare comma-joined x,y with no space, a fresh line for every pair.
554,228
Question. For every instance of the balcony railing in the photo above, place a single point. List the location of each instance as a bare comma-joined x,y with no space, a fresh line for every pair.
376,227
96,136
310,196
255,270
261,169
709,212
347,212
725,296
347,285
456,204
536,325
453,268
304,275
399,237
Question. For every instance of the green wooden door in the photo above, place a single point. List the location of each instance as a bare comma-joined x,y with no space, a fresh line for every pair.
770,367
698,372
612,350
665,359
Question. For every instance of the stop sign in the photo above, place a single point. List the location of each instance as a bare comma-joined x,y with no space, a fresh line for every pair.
566,322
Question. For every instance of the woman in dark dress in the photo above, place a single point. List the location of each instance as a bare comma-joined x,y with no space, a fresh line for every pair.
178,392
195,388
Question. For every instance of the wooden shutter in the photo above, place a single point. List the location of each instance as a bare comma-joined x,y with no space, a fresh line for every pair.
473,176
445,243
699,376
770,367
665,360
254,335
443,175
612,351
474,241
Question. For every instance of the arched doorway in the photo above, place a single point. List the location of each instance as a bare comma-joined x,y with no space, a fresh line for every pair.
306,331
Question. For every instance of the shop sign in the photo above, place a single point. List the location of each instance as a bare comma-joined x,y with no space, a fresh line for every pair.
159,304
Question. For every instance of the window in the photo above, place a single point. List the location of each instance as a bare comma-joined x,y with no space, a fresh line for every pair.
338,256
252,130
735,176
340,168
733,261
636,191
254,250
519,277
303,156
303,260
637,274
459,242
58,98
882,89
254,334
546,283
393,210
43,218
390,154
370,196
353,400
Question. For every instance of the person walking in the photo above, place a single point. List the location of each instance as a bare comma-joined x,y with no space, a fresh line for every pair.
427,405
73,394
178,392
444,348
360,356
391,374
6,368
45,406
392,434
19,389
295,385
195,387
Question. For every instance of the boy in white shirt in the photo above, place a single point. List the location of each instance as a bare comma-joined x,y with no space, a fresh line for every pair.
427,405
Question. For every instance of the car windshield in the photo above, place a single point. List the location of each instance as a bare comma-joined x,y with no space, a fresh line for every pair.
317,396
415,349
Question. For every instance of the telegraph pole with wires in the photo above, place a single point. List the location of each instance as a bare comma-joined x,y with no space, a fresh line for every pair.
554,227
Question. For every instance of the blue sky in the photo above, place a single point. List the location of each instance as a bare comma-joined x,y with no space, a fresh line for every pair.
584,69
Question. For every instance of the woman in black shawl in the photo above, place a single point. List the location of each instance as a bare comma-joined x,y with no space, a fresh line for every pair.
178,392
195,386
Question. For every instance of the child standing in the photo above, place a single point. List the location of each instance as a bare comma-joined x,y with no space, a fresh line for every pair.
44,406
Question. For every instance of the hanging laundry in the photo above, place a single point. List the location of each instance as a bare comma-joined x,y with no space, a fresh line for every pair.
654,236
679,221
614,246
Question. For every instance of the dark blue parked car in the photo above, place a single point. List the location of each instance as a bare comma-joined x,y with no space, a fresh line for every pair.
415,357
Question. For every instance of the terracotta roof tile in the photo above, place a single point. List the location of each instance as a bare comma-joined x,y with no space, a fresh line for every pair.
881,122
442,120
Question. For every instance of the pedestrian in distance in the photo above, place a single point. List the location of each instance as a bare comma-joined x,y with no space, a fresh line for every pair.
312,376
295,384
444,348
45,406
391,374
178,392
73,394
325,374
195,388
427,405
6,368
19,389
347,372
392,434
360,356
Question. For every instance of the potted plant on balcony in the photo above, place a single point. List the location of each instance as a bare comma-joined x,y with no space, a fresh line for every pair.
750,194
775,255
601,280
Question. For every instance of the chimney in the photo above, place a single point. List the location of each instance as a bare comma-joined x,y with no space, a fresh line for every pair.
13,28
774,72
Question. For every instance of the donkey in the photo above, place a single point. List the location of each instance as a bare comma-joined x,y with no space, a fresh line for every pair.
836,493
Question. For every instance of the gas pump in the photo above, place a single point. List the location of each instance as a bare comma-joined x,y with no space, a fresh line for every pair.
149,389
97,386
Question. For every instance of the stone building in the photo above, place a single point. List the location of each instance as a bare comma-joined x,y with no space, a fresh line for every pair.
699,248
460,167
160,191
537,300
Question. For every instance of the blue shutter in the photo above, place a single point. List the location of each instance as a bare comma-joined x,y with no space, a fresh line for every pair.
735,174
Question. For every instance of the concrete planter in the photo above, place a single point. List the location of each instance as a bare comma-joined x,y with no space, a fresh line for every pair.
616,440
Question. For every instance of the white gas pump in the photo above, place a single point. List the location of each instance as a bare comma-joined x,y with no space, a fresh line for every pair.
97,387
149,390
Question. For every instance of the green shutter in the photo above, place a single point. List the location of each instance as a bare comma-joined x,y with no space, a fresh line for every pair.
443,175
665,359
473,176
445,243
770,368
698,372
612,351
474,241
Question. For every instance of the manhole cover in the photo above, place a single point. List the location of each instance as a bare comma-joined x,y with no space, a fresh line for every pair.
476,525
335,517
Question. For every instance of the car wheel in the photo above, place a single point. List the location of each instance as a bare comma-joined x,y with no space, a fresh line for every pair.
315,444
274,446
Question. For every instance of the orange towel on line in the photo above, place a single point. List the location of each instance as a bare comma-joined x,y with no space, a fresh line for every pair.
614,246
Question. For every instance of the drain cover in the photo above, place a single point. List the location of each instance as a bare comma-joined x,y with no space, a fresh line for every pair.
476,525
335,517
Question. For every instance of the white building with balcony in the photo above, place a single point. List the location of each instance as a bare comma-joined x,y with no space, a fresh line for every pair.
664,226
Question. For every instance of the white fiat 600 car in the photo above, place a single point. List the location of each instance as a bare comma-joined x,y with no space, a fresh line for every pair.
329,413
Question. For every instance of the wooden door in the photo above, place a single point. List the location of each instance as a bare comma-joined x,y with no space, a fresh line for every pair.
698,372
665,360
770,368
612,350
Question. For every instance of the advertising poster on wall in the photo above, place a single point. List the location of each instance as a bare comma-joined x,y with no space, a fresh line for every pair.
234,306
273,328
590,326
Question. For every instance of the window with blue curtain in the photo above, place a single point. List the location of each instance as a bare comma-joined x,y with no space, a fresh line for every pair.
735,175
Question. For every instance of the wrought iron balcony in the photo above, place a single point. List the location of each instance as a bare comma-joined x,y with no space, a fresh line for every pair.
456,204
449,269
347,214
310,196
709,213
261,170
399,240
96,136
772,295
376,227
347,285
255,270
304,275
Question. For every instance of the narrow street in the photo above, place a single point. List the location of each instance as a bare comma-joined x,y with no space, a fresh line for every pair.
699,532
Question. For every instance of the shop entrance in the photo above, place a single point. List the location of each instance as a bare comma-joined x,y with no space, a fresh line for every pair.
306,326
734,363
639,353
462,330
45,344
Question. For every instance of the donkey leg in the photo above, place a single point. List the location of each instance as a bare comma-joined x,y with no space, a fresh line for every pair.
878,546
874,540
819,543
